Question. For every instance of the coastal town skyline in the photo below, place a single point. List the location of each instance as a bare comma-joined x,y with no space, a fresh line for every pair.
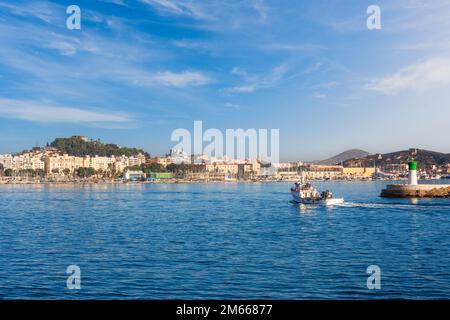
171,149
137,70
79,159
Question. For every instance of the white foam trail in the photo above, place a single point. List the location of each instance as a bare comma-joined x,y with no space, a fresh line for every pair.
395,205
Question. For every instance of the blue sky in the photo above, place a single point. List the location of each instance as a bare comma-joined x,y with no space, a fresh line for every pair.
139,69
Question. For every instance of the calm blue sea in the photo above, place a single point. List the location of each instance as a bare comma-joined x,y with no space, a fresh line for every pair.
227,241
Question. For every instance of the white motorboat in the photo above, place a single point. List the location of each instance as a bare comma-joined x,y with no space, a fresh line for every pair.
305,193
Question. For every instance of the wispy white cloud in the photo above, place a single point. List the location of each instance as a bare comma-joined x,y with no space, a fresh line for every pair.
261,8
425,75
221,15
316,66
63,47
18,34
318,95
254,83
178,7
117,2
244,88
49,113
194,45
278,72
294,47
183,79
92,54
232,105
41,10
140,78
327,85
239,71
440,44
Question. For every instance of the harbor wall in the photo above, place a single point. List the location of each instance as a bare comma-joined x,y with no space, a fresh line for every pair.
416,191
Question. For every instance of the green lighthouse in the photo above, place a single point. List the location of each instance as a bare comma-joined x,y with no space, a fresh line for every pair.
412,177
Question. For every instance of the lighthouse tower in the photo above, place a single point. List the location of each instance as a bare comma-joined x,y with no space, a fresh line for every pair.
412,177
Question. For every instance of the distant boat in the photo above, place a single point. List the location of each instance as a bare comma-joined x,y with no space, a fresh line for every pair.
229,179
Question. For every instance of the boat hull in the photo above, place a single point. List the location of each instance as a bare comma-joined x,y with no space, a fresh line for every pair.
326,202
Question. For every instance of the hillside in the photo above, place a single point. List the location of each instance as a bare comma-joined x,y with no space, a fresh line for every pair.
425,159
80,147
346,155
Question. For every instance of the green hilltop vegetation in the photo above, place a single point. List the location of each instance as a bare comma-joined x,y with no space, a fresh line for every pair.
80,147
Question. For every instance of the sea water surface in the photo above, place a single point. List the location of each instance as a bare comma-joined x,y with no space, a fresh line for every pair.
219,241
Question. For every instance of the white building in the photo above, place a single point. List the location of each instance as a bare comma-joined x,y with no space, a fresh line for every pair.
134,175
179,156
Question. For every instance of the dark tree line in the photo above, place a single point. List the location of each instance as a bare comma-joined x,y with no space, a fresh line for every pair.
21,173
76,146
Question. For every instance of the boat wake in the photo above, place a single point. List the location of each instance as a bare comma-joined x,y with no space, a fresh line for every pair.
382,205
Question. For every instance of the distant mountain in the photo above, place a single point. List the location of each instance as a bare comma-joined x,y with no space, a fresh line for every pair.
425,159
344,156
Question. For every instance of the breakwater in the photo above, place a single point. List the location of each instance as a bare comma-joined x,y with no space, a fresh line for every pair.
416,191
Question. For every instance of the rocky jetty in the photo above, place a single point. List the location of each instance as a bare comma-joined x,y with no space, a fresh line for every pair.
438,193
416,191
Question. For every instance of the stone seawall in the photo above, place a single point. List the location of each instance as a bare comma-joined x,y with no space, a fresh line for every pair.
416,191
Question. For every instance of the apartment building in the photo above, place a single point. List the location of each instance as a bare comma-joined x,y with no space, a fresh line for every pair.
60,163
31,160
